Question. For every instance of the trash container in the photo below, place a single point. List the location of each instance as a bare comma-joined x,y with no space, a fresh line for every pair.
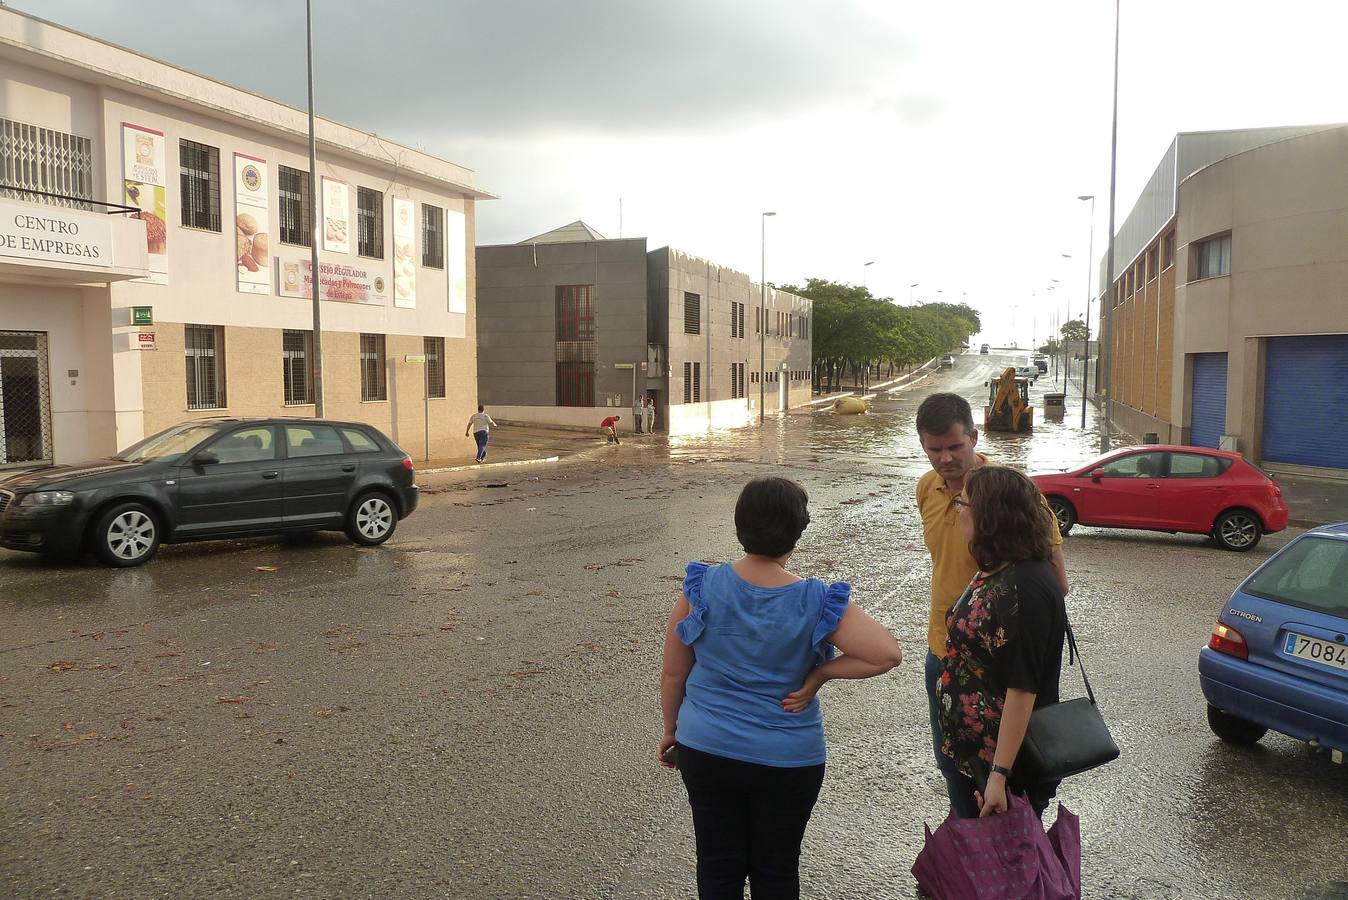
1054,399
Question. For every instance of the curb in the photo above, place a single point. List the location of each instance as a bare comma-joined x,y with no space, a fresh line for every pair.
497,465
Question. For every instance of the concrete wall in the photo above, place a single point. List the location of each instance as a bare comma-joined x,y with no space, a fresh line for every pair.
517,296
1286,207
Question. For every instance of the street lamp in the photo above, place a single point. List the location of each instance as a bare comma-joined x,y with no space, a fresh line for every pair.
1107,322
864,267
1086,345
762,311
316,364
910,291
1067,317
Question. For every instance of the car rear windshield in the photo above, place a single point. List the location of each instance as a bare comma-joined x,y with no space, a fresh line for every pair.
172,442
1312,573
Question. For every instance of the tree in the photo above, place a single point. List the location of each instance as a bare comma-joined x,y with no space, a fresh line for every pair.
854,330
1051,348
1074,330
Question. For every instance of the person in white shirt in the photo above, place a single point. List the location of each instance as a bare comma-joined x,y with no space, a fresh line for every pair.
650,416
479,423
638,413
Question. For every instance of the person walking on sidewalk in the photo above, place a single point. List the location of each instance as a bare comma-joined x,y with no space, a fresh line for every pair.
638,414
945,427
610,426
479,423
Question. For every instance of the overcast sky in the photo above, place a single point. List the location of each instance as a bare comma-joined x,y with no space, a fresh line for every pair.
946,142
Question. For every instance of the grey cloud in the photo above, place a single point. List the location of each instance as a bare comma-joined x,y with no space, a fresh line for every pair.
522,66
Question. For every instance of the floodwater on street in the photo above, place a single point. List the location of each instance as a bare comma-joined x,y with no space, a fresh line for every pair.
472,711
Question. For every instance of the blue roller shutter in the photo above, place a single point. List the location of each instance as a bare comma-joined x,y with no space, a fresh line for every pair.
1208,404
1306,400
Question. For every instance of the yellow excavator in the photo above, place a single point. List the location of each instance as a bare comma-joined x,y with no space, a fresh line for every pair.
1008,406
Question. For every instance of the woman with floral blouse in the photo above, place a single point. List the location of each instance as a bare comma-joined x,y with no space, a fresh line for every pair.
1004,654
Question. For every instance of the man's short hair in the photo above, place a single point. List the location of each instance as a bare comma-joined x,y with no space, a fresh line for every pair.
770,516
941,412
479,407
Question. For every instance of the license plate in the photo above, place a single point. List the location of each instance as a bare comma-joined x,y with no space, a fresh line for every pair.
1323,652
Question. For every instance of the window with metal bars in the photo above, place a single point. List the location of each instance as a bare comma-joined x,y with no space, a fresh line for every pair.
687,382
741,320
373,374
199,179
41,159
692,313
697,382
203,348
370,222
575,383
434,349
296,206
575,312
573,326
432,236
297,347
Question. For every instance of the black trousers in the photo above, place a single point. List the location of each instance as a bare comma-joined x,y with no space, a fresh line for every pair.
749,820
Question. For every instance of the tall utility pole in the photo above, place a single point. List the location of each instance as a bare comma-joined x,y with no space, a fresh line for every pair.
762,312
317,216
1107,300
1086,344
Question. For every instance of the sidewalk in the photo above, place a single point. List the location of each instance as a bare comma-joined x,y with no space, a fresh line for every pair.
902,381
523,444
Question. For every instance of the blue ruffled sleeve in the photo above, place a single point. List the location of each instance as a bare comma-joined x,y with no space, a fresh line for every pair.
690,629
836,597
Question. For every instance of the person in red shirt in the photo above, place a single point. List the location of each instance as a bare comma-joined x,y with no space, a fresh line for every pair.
611,424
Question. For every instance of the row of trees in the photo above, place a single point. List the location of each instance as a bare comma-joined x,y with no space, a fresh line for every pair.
854,332
1073,331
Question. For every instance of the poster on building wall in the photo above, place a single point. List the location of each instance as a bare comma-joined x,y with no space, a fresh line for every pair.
252,244
143,180
337,282
404,253
456,260
336,215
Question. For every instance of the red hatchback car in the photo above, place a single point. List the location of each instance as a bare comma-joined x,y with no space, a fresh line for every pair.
1171,488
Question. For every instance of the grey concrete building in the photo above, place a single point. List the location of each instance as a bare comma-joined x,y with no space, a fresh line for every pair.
570,323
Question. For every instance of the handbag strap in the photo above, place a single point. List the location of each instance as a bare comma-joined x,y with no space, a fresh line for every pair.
1073,654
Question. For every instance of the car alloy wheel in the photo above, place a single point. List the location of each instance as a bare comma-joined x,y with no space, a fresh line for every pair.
372,519
1238,530
128,535
1063,513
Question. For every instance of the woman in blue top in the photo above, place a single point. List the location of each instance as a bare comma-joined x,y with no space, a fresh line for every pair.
747,647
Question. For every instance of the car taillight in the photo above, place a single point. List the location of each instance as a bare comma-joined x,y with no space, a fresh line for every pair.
407,464
1226,639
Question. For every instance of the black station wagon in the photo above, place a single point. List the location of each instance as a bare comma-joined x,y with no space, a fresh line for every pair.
213,478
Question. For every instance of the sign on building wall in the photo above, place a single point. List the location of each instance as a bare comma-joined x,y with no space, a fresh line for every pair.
456,260
404,253
143,183
253,244
337,282
336,215
55,234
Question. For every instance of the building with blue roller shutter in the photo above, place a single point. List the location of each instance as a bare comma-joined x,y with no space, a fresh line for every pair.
1227,323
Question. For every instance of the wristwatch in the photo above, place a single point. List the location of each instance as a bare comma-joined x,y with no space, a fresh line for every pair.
1001,770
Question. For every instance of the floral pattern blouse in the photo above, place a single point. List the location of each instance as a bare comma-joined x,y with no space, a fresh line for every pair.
1006,631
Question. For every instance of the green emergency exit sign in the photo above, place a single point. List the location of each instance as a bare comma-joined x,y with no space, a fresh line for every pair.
142,315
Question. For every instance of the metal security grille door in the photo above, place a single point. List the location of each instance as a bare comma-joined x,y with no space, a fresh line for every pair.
1306,401
574,344
25,412
1208,403
373,374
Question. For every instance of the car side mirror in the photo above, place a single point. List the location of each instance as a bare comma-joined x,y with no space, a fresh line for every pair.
205,458
1097,474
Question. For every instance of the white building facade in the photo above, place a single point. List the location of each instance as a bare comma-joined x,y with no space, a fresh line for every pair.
155,231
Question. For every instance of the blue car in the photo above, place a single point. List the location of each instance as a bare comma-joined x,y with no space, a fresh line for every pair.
1278,655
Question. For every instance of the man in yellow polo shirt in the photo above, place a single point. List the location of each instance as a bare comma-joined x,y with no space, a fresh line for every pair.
945,426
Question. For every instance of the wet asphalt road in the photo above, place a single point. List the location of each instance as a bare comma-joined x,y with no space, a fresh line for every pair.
471,710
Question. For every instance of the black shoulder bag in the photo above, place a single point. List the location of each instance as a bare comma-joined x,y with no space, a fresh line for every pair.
1066,738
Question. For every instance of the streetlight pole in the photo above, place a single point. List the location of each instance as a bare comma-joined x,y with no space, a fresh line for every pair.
1067,317
910,291
1107,321
1086,344
316,363
864,267
762,312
